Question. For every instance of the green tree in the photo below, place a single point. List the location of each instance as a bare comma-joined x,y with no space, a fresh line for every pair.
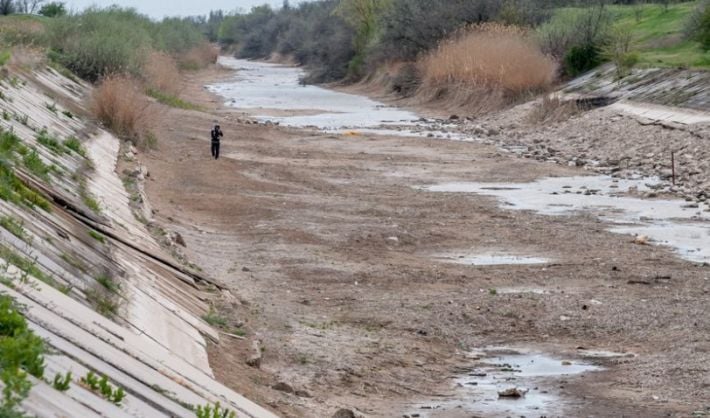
363,16
53,9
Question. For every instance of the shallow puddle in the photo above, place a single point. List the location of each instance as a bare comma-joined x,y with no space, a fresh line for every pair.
274,93
670,222
494,260
532,373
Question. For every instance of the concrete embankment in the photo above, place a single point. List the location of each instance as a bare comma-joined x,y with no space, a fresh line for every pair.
92,280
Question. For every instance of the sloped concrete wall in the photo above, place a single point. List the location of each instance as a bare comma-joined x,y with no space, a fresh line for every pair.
153,345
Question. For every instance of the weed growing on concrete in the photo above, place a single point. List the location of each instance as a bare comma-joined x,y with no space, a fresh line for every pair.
14,227
72,143
62,382
21,354
214,411
97,236
104,388
50,142
215,319
36,166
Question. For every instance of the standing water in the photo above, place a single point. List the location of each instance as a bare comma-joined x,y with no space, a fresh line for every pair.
272,92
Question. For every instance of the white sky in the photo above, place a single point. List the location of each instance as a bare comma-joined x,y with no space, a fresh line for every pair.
161,8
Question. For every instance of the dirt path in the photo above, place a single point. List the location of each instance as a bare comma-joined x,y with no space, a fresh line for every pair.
333,254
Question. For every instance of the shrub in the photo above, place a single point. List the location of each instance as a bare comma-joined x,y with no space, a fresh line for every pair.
575,36
100,41
21,353
619,50
580,59
699,29
492,57
118,102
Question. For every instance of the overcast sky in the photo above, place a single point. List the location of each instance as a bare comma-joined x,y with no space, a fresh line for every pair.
161,8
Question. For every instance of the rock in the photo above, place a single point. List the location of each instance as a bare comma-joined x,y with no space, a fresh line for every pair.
255,359
641,240
283,387
454,117
344,413
177,239
246,269
512,393
303,394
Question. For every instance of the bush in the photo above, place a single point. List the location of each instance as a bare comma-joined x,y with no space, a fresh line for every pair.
619,50
491,57
21,353
701,32
575,37
101,42
580,59
53,9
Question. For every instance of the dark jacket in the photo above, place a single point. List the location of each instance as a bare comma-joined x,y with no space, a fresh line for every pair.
216,134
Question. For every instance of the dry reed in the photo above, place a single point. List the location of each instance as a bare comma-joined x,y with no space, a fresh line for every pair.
119,103
199,57
161,73
492,57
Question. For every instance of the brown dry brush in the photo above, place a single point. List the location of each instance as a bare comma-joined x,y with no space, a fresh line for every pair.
553,108
160,72
119,103
484,67
198,57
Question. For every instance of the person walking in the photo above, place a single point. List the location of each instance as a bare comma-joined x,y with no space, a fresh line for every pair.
216,134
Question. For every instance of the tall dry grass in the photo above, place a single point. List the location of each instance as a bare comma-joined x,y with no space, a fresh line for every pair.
199,57
489,62
161,73
119,103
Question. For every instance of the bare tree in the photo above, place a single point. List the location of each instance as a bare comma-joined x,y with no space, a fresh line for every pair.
7,7
28,6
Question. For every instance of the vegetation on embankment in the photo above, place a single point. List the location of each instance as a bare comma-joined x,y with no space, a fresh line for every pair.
353,39
127,55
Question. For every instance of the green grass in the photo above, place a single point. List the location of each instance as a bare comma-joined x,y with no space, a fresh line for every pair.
51,142
97,236
34,163
21,354
109,283
27,266
14,191
215,319
72,143
170,100
659,34
14,227
5,57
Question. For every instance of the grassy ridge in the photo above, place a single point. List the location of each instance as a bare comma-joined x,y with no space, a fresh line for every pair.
658,33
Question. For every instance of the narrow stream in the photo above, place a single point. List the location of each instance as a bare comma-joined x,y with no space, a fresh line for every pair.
274,93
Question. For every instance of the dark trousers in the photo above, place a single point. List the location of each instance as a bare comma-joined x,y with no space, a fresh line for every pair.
215,150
